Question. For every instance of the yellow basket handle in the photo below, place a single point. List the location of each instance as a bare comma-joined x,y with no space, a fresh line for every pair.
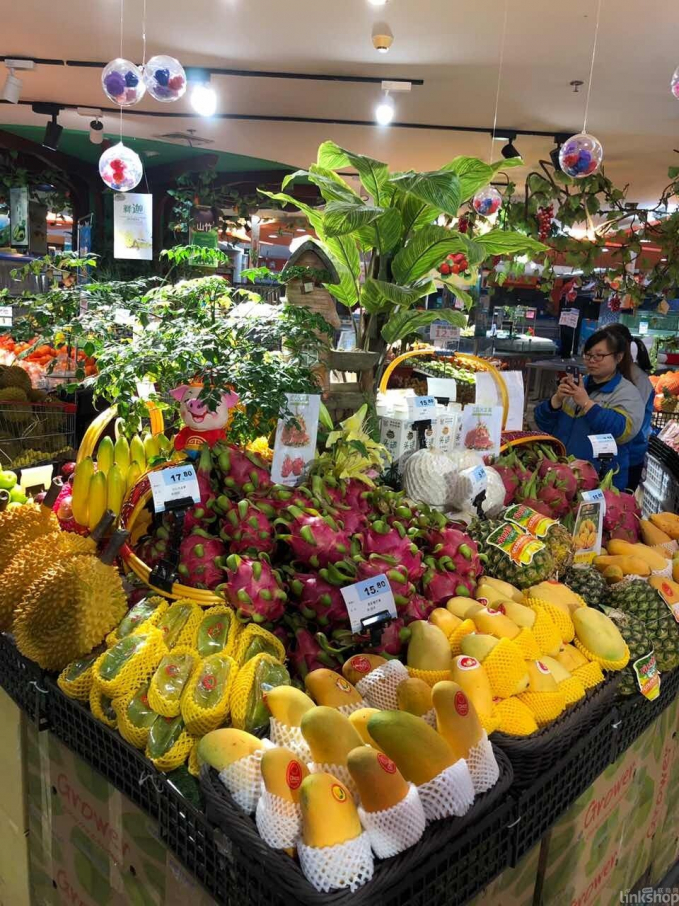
98,426
482,364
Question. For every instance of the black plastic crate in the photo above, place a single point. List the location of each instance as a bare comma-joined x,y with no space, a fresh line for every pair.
24,682
105,750
540,806
636,714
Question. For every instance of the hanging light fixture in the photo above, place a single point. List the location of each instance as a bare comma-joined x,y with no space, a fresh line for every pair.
385,110
510,151
203,96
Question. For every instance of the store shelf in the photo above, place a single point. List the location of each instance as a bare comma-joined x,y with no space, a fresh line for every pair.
24,682
635,717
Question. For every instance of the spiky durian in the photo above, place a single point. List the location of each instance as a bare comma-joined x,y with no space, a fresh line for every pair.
20,526
31,563
68,610
15,376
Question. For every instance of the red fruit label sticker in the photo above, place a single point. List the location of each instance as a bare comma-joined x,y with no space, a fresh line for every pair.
145,700
461,704
495,611
172,670
467,663
361,664
215,630
647,676
529,519
543,668
667,593
516,543
338,792
293,775
208,682
386,763
343,685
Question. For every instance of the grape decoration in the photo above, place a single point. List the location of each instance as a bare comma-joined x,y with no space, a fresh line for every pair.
544,218
122,82
165,78
120,168
581,156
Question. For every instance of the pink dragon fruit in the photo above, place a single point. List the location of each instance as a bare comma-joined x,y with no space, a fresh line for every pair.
557,497
550,468
440,585
528,496
63,508
319,596
622,513
401,587
417,608
254,589
455,550
244,472
353,521
154,547
585,474
392,639
308,655
509,479
202,514
314,539
393,541
199,555
276,498
247,530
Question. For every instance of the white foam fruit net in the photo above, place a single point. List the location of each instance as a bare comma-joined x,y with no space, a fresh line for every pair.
397,828
665,573
278,820
346,865
289,737
379,687
243,778
482,765
340,771
349,709
449,793
430,718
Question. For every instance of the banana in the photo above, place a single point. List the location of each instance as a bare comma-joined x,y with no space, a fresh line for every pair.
134,473
97,499
151,447
81,490
121,455
105,455
137,452
115,489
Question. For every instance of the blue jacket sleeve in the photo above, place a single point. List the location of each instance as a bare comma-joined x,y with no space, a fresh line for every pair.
546,418
606,421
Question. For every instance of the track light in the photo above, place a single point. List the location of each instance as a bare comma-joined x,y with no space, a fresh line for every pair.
385,110
509,151
11,90
52,134
96,132
203,97
559,138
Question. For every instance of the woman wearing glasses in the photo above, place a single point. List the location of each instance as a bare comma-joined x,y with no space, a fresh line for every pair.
606,402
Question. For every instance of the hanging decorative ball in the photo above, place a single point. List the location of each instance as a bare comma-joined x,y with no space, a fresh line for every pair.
674,84
165,78
122,82
120,168
581,155
487,201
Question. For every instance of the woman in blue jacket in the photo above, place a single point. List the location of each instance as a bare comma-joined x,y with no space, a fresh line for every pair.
606,402
640,369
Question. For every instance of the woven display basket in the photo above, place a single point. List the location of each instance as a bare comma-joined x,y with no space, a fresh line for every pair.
96,429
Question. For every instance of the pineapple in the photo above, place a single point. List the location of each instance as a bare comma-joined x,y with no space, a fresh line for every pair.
588,583
559,543
639,642
639,600
500,566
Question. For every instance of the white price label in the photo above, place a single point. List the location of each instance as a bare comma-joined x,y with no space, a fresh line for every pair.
145,389
443,333
478,479
595,496
603,445
177,483
421,407
643,328
39,477
445,388
569,318
367,599
6,314
307,287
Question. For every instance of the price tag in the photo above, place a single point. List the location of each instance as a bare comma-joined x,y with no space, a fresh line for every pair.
367,599
421,407
307,287
6,314
603,445
443,333
595,496
38,477
647,676
173,484
478,478
445,388
643,328
569,318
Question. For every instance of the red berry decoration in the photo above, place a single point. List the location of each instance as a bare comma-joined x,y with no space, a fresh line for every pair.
544,218
444,269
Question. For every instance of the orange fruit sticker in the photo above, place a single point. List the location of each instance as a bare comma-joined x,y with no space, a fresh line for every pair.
386,763
461,704
338,792
293,775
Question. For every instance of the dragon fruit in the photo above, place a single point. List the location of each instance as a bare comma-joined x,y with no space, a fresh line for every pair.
393,541
528,496
254,589
247,530
555,495
416,608
585,474
550,468
199,555
63,507
509,479
622,513
276,498
377,565
154,547
439,584
319,596
202,514
307,654
392,639
455,550
244,472
315,539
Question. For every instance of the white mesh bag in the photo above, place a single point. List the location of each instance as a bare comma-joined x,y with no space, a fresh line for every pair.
449,793
343,866
397,828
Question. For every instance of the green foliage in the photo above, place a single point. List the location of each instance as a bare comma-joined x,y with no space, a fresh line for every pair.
317,275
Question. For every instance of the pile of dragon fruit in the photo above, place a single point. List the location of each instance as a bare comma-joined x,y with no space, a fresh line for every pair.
535,476
280,555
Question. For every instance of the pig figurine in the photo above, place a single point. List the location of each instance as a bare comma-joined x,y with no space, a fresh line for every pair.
201,426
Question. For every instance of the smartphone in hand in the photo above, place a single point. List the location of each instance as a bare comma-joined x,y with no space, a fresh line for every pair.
573,372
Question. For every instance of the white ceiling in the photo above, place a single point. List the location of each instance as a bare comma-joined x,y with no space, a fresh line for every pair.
453,46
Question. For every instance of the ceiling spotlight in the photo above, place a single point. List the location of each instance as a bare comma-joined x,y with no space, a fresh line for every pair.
385,110
378,2
11,90
509,150
52,130
203,97
382,37
559,138
96,132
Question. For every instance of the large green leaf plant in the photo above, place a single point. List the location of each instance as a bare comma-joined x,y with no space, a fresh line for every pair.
386,242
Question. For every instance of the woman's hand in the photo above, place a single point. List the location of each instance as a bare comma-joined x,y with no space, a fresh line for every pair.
577,392
562,391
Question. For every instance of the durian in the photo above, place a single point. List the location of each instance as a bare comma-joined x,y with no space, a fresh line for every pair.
15,414
68,610
15,376
20,526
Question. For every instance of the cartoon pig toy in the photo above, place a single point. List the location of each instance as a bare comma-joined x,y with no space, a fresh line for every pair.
201,426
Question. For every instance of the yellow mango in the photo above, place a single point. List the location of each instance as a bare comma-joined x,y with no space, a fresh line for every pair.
283,773
495,623
540,678
359,721
668,588
558,671
599,634
419,751
469,674
329,735
330,689
220,748
444,620
462,607
667,523
329,814
456,718
520,614
428,648
360,665
630,565
288,704
651,534
570,658
624,548
414,696
505,588
555,593
379,782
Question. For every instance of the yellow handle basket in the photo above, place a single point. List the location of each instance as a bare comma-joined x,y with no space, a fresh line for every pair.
96,430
